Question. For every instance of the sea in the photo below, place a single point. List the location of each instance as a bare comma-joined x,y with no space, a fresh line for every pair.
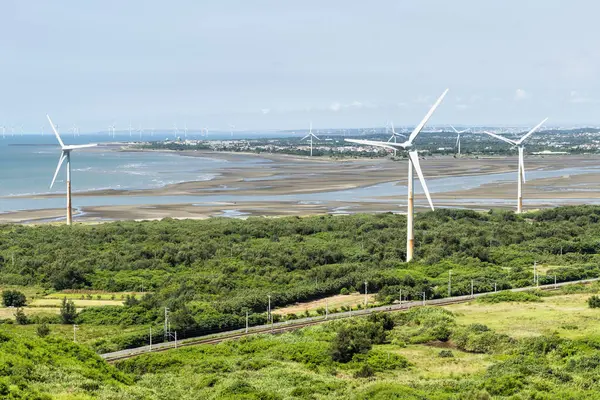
28,162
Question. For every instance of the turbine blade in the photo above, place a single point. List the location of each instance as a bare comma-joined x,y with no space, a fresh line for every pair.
500,137
522,162
414,157
80,146
305,137
391,146
535,128
55,131
455,131
63,155
316,137
417,130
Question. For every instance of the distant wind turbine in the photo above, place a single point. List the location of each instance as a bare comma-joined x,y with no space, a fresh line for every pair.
311,136
111,129
130,129
65,153
394,135
185,130
458,133
140,130
521,170
413,162
3,131
231,128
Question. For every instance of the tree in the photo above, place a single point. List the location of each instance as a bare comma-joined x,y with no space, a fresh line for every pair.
348,342
68,312
594,302
13,298
20,317
43,330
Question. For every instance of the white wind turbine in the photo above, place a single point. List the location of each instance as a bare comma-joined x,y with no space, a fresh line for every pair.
130,129
140,130
65,153
521,170
394,136
185,130
111,129
311,136
413,162
231,128
458,133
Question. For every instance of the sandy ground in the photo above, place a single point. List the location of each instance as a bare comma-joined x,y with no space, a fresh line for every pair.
332,302
293,174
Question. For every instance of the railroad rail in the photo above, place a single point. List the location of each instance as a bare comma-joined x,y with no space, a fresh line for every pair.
291,325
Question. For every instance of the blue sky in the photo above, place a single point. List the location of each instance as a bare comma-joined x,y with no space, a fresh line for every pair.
279,64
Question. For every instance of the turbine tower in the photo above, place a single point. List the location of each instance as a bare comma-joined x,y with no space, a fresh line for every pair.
413,162
458,133
65,153
394,136
311,136
521,169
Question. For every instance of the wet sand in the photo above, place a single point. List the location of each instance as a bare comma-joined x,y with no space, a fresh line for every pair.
284,175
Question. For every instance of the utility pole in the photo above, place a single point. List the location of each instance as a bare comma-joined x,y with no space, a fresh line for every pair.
75,327
246,321
366,298
400,298
495,290
269,318
150,338
450,283
535,273
167,333
175,339
472,288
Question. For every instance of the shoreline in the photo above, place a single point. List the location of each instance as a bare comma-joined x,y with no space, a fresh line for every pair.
283,181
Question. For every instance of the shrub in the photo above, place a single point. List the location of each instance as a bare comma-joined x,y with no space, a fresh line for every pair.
13,298
365,371
344,291
446,354
20,317
508,296
348,342
43,330
68,312
594,302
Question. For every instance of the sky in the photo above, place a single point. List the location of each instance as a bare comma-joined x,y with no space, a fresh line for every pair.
276,64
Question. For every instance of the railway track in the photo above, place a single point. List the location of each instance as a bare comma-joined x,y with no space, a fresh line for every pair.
287,326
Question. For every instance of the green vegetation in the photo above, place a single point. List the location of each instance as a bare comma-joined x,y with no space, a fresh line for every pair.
13,298
594,302
507,296
209,273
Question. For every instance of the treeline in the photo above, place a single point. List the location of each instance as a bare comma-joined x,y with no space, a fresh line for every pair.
209,273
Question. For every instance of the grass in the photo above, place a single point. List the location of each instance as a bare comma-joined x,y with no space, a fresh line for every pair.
567,315
56,302
96,295
332,302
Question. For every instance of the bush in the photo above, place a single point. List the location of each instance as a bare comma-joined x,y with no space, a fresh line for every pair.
594,302
348,342
344,291
13,298
365,371
446,354
20,317
68,312
43,330
508,296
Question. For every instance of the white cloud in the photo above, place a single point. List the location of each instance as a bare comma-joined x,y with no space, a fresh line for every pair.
521,94
265,110
335,106
356,104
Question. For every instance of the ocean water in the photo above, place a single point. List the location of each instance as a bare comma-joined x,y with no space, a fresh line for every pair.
27,165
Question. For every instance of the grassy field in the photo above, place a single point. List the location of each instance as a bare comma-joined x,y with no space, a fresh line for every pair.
56,302
567,315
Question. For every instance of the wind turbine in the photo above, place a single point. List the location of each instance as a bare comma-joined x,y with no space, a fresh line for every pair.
111,129
311,136
413,162
141,131
65,153
521,170
458,137
231,128
130,129
185,130
394,136
3,131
